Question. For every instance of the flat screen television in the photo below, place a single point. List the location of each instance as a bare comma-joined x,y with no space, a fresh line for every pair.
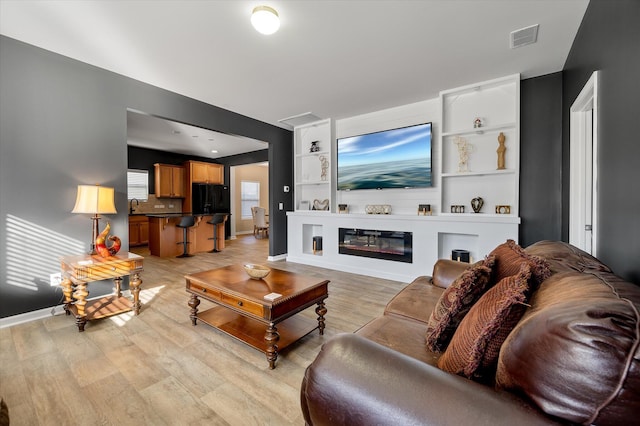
395,158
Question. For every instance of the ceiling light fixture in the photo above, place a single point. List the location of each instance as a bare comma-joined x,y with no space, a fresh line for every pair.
265,20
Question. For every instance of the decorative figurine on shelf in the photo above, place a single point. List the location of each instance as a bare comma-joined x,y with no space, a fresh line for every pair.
477,123
501,150
314,146
102,248
324,166
464,148
476,204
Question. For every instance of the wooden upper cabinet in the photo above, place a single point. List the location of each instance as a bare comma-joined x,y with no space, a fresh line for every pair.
205,172
170,181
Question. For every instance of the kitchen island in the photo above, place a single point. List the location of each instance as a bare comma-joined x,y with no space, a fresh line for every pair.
165,238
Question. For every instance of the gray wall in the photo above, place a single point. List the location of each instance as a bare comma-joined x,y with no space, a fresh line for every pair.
541,159
63,123
609,41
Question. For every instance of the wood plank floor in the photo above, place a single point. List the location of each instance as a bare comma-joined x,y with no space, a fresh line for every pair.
158,369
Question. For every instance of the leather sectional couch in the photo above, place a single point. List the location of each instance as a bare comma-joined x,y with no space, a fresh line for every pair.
572,355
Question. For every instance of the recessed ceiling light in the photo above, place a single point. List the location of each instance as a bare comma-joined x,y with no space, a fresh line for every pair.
194,136
214,151
176,132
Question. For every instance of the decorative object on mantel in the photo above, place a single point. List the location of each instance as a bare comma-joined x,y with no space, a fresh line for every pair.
324,166
478,122
503,209
314,146
476,204
464,149
95,200
343,208
321,205
424,209
457,208
304,205
378,209
501,150
101,246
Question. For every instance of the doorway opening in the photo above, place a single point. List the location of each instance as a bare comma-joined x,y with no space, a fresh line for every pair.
583,200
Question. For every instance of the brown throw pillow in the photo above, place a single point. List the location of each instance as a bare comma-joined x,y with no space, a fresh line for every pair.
455,302
509,256
475,346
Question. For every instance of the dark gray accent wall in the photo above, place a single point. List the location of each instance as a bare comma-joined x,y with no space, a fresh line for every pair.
63,123
609,41
541,159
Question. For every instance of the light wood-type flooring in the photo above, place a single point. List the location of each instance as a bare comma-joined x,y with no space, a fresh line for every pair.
158,369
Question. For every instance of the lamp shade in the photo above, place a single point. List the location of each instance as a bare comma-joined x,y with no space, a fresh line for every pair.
265,20
95,199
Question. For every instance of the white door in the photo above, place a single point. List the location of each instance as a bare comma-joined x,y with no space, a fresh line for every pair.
583,165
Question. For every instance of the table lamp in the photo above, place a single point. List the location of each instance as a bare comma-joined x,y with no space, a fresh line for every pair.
95,200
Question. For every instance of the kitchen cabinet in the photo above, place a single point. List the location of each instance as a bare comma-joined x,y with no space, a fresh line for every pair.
200,172
138,230
170,181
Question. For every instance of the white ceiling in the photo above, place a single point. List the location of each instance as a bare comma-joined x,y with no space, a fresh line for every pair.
334,58
146,131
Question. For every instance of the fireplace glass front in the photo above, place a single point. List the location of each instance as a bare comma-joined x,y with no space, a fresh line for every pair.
387,245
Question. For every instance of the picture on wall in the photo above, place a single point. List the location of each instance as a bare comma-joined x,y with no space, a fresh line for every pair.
396,158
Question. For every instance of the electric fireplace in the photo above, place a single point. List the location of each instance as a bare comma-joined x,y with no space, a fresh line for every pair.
387,245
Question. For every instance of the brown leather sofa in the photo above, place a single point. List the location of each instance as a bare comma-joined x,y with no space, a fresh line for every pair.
573,358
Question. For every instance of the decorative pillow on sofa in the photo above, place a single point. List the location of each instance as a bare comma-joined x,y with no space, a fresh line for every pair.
509,256
475,346
455,302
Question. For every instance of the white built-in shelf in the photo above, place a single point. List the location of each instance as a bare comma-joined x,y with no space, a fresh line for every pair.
480,130
314,154
314,182
479,173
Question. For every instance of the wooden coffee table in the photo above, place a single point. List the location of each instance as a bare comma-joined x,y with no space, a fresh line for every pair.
243,312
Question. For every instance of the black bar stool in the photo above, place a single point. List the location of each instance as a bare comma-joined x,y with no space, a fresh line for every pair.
216,220
185,223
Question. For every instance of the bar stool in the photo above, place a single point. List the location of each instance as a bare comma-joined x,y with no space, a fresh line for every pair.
216,219
185,223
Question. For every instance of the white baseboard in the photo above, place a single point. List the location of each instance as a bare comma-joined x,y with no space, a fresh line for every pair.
42,313
277,257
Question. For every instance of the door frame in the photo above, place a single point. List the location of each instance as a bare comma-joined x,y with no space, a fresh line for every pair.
584,162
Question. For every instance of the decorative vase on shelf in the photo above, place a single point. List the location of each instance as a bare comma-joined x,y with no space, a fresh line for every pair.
476,204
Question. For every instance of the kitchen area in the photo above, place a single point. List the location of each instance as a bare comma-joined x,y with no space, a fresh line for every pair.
192,189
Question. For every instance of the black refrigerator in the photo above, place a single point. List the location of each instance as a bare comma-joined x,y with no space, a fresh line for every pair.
207,198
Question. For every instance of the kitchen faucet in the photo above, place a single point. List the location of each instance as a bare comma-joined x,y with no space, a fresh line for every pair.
131,204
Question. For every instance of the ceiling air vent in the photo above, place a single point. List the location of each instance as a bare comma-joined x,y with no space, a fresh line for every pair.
300,119
524,36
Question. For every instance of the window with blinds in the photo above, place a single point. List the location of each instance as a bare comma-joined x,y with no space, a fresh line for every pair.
249,196
137,185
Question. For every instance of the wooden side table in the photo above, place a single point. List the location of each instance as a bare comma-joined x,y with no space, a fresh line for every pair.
80,270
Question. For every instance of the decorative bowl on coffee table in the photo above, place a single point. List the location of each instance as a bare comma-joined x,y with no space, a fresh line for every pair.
257,272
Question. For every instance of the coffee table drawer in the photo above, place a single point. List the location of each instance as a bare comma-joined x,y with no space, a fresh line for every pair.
207,293
243,304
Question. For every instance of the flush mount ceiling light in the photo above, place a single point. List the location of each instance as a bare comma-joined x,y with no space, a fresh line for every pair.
265,20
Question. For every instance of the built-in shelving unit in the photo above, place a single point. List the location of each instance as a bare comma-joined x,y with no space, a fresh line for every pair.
497,104
433,237
313,147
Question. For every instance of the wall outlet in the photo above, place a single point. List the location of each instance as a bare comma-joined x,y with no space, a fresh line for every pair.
170,206
159,206
55,279
281,206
